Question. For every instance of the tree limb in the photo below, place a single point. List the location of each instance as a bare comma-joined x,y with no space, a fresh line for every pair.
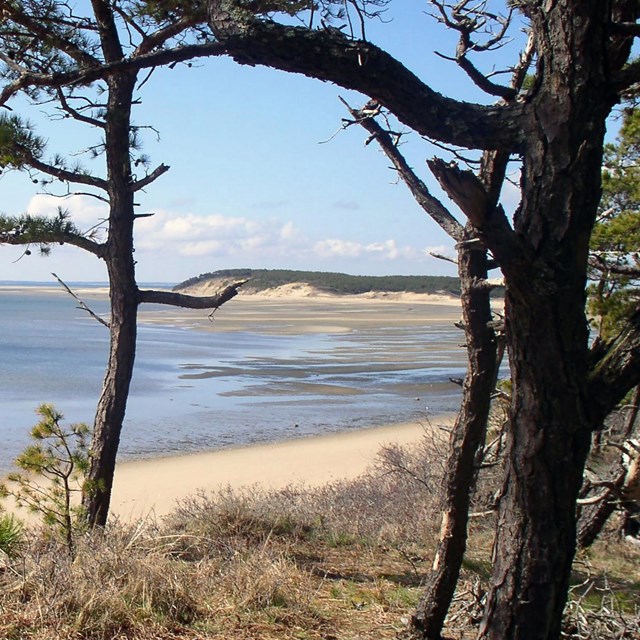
471,196
354,64
191,302
148,179
47,237
81,302
440,214
75,114
87,75
47,34
600,263
62,174
157,39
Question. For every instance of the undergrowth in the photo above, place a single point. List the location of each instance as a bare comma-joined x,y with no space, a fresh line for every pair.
343,562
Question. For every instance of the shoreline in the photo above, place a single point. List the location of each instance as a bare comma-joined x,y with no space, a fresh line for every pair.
387,328
154,486
285,293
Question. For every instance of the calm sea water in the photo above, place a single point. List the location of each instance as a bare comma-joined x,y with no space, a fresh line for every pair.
196,390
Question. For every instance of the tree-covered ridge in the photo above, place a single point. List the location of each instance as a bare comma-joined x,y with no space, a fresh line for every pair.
338,283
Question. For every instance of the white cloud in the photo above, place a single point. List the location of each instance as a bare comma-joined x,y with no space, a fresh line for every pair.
333,247
385,250
166,240
86,212
214,235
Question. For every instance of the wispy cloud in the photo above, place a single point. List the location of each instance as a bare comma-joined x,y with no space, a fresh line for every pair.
215,235
347,205
86,212
387,249
168,235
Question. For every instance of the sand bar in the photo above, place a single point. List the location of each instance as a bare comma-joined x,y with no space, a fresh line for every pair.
155,486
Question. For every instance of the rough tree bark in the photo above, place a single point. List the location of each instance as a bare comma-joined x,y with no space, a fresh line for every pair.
123,292
551,428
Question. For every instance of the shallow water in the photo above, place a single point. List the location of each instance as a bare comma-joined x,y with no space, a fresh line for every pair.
196,390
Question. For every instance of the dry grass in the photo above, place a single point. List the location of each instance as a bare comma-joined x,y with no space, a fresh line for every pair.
343,562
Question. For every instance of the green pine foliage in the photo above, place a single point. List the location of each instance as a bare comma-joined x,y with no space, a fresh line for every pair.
11,534
337,283
53,470
18,143
615,242
43,231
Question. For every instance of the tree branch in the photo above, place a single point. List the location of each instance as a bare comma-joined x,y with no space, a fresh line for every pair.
81,302
471,196
158,38
600,263
482,82
47,34
63,174
46,237
429,203
354,64
75,114
191,302
148,179
87,75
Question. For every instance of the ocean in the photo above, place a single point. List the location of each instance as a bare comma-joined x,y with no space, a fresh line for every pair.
197,390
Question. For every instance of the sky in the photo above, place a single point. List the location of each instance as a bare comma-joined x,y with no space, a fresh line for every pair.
262,176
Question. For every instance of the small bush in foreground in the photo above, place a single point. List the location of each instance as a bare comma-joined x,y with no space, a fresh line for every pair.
54,472
11,534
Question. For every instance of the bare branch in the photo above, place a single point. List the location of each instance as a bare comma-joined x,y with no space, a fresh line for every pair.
191,302
440,214
361,66
81,303
63,174
74,113
148,179
477,202
440,256
482,82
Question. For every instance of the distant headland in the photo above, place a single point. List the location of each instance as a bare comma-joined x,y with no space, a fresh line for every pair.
321,282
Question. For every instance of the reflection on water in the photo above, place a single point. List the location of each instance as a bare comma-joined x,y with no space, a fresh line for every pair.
197,390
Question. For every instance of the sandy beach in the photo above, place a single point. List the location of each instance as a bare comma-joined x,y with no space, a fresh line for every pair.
153,487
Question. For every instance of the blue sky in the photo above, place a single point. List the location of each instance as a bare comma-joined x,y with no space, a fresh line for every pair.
251,182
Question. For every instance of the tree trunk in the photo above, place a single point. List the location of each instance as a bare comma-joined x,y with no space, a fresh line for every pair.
546,327
124,299
112,405
467,435
546,452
